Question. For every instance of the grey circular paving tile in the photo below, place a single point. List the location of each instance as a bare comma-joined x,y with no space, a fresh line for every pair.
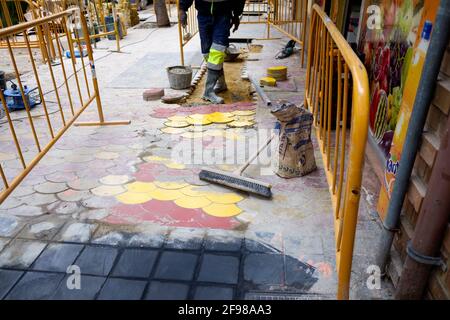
50,187
71,195
11,202
27,211
83,184
37,199
64,208
113,180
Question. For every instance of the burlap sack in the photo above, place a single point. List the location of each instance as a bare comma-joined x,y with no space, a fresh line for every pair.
296,151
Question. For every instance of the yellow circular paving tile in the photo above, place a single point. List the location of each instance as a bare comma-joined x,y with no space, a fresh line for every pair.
108,191
222,210
198,121
241,124
224,198
174,165
170,130
155,158
245,118
192,202
177,118
218,117
165,195
133,198
176,124
196,129
197,116
244,112
193,191
169,185
140,187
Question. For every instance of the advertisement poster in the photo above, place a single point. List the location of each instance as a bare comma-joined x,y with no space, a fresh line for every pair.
393,45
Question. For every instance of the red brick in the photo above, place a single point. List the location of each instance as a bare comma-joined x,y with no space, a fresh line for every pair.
433,119
445,66
153,94
416,192
442,127
420,168
429,148
442,96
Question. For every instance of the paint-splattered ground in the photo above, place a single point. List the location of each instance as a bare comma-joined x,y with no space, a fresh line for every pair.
127,198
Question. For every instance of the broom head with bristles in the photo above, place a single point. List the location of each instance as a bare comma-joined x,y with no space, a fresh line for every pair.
236,182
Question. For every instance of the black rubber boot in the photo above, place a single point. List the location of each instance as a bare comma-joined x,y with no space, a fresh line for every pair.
211,80
221,84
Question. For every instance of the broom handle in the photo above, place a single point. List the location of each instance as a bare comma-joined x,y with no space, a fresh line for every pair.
245,166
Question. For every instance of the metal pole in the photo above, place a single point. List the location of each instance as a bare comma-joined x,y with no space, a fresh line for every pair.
436,50
87,41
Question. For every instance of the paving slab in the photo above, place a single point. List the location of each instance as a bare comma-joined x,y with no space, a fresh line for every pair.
77,232
176,266
122,289
42,228
148,239
167,291
264,269
89,287
111,238
3,243
135,263
213,293
9,225
185,238
57,257
35,286
21,253
8,279
219,269
96,260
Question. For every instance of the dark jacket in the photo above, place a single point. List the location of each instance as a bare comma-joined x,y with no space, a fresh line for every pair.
234,7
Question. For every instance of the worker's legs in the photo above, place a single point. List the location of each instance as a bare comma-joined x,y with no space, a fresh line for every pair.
206,31
220,37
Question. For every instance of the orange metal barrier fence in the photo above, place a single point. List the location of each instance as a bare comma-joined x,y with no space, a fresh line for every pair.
334,71
26,140
13,12
290,18
96,11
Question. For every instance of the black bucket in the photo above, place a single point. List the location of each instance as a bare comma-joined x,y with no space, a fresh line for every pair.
2,80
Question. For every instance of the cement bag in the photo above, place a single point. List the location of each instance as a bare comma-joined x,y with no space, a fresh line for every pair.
296,151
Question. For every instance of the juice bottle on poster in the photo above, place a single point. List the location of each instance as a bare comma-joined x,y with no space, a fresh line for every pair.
409,95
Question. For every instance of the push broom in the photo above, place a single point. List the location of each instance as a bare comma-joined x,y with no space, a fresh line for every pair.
235,179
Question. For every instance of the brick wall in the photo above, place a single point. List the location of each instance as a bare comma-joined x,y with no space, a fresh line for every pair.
439,283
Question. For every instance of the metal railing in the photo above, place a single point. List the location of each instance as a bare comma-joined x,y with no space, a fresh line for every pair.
13,12
289,17
96,13
27,145
333,71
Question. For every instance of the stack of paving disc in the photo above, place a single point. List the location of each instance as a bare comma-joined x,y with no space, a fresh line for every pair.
268,81
279,73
